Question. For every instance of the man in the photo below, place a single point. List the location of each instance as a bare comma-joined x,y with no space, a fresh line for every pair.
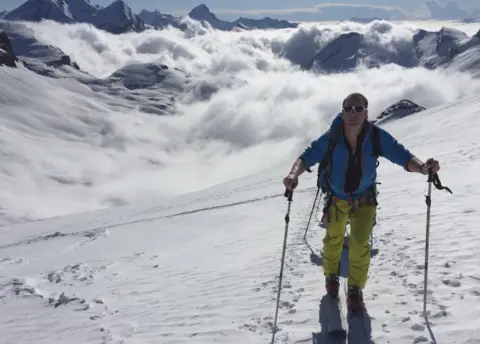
352,195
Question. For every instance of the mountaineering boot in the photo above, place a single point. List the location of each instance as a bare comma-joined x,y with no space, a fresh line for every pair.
332,284
355,299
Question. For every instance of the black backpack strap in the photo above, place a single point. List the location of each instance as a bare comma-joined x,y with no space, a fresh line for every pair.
327,161
377,152
377,149
328,157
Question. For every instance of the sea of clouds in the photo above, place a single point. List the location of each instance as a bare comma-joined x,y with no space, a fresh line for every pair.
243,103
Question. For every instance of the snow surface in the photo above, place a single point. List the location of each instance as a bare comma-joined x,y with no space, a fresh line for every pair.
189,248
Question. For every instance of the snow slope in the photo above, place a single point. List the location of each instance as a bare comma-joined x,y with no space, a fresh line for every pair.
203,267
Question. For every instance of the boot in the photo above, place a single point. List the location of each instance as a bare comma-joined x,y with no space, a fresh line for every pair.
332,284
355,299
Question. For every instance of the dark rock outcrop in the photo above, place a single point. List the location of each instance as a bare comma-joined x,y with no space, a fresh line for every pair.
64,60
7,56
398,110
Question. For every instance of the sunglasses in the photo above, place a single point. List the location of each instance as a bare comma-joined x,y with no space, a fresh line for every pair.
357,108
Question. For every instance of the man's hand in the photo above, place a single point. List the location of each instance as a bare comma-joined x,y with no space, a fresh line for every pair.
416,165
290,181
432,165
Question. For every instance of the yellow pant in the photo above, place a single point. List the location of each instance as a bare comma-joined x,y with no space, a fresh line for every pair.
361,223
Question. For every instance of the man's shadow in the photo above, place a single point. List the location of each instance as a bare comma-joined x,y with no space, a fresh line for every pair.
358,327
324,337
359,331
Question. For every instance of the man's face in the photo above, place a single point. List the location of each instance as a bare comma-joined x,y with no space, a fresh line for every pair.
354,113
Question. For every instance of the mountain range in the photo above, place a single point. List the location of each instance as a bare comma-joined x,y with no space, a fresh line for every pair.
118,17
446,48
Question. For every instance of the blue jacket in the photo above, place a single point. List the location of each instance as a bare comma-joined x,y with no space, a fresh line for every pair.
350,180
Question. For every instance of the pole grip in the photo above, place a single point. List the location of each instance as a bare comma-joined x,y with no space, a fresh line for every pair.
288,194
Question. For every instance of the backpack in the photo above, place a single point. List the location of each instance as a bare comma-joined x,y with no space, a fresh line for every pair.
323,176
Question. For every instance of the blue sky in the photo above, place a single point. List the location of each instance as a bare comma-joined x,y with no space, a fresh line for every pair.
282,9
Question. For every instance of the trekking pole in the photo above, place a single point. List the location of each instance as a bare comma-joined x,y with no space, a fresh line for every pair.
435,180
428,200
311,213
288,194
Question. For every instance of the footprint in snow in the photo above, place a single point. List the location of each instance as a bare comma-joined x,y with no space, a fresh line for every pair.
417,327
287,304
475,292
420,339
452,282
440,314
448,264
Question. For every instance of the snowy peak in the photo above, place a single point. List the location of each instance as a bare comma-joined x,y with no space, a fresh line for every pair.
157,19
119,7
3,14
352,49
436,48
117,18
342,54
82,10
149,17
265,23
430,49
202,12
36,10
118,10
